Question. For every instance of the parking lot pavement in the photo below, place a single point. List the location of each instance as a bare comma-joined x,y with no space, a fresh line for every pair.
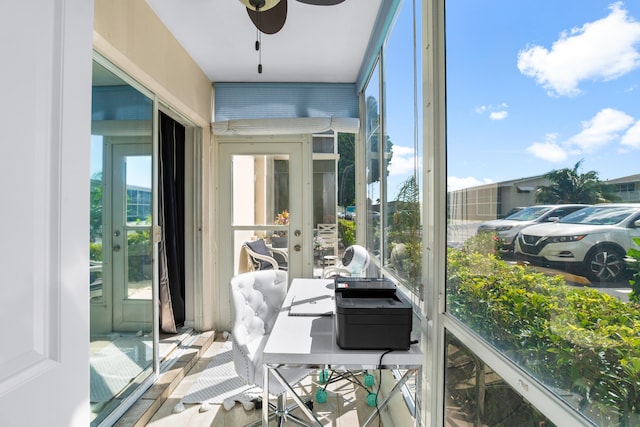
458,233
621,293
619,289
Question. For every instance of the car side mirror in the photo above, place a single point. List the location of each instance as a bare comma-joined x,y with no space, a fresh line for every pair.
636,223
553,219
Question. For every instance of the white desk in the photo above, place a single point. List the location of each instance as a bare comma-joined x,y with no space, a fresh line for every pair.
311,341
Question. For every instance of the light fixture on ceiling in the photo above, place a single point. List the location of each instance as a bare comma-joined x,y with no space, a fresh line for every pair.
259,4
269,17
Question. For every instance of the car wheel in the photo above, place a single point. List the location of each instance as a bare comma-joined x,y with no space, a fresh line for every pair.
605,264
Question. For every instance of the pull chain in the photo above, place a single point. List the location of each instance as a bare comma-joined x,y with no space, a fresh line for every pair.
259,42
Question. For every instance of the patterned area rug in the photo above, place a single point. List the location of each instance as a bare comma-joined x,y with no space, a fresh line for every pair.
220,384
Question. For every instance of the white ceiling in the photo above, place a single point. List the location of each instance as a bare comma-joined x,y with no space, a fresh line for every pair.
316,44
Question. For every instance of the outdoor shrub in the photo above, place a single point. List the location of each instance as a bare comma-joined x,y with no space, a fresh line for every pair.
634,255
579,340
95,251
347,232
139,253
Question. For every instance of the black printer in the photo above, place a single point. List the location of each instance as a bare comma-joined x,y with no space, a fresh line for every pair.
371,314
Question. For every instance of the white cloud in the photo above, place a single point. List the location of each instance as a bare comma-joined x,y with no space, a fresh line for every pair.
498,115
631,139
599,50
455,183
402,161
548,150
601,130
498,112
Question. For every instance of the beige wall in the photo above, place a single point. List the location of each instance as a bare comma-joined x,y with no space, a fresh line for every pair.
130,35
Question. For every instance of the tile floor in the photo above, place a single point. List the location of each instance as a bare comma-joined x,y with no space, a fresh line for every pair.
346,405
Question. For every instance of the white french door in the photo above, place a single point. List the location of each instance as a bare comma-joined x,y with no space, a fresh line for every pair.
131,242
44,364
259,178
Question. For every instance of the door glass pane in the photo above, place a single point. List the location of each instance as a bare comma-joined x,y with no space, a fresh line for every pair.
139,272
260,206
326,248
138,224
138,176
95,221
324,191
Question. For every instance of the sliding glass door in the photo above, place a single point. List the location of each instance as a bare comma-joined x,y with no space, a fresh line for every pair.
121,280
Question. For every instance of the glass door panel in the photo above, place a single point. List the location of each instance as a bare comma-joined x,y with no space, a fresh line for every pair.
131,242
261,208
121,263
262,200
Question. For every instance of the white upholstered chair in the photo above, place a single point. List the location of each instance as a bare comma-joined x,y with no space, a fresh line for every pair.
257,299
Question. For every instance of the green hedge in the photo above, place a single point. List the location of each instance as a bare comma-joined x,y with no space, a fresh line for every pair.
577,340
347,232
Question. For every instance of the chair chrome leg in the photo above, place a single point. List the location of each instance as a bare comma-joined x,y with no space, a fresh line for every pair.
284,414
281,412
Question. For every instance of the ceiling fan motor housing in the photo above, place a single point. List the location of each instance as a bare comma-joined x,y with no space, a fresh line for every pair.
261,5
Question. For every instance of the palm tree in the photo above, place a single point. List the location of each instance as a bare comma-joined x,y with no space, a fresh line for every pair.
570,186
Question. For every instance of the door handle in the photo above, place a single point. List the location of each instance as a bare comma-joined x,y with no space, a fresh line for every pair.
116,248
297,248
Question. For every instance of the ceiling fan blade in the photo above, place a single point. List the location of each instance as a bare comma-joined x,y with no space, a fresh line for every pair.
264,4
321,2
270,21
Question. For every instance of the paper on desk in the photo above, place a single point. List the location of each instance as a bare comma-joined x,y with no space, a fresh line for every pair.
312,306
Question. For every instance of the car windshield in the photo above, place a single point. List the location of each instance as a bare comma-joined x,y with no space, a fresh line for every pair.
529,214
603,215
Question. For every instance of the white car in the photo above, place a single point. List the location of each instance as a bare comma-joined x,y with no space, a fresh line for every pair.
508,228
593,241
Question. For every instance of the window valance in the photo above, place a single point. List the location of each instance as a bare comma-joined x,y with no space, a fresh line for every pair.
285,126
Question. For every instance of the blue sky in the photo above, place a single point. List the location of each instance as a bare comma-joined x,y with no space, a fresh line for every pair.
534,86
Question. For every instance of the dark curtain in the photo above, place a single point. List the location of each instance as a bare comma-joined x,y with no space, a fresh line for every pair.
171,210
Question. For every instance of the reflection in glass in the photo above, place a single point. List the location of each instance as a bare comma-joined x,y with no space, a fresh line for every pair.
138,225
373,164
96,220
525,126
476,395
121,347
138,178
139,257
402,245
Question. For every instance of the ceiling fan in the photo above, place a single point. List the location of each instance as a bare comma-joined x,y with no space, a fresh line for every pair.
269,16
